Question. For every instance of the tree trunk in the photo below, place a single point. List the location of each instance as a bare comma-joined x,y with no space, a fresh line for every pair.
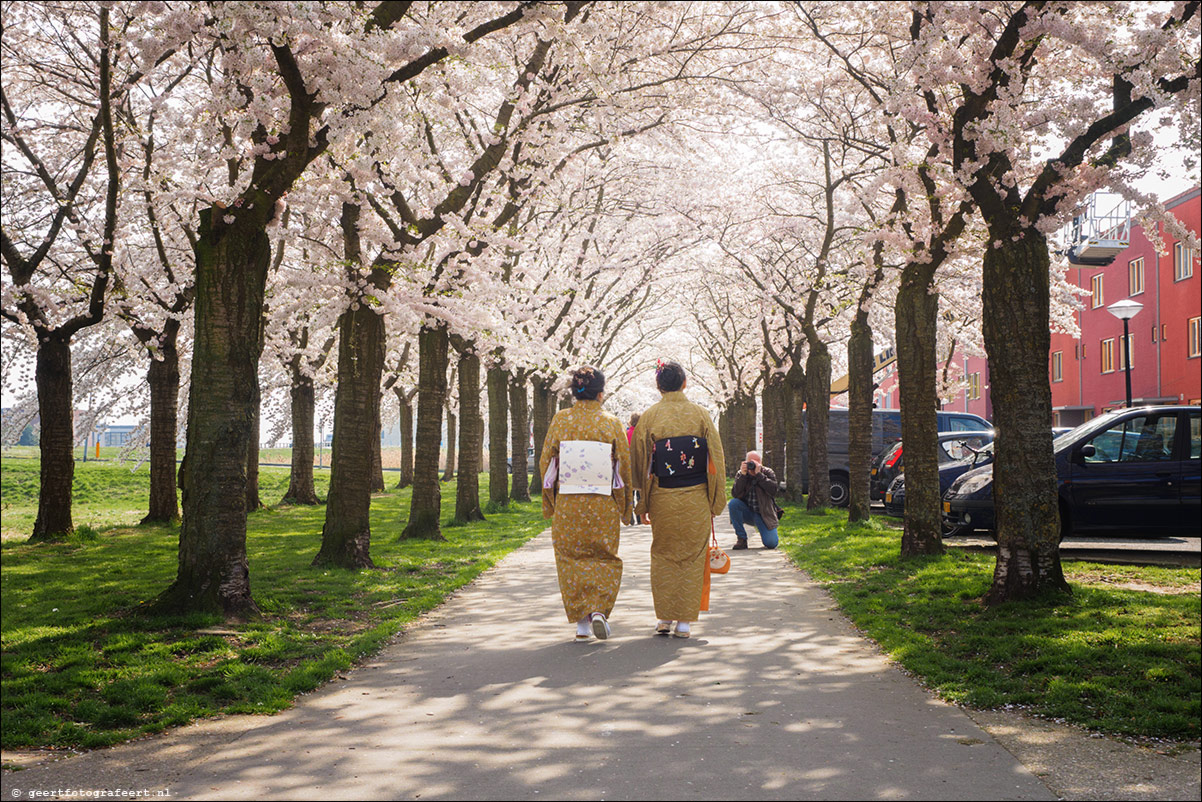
231,273
406,407
916,315
425,507
53,376
859,418
471,439
726,432
1017,338
746,424
163,378
452,446
773,420
818,406
346,536
544,409
301,489
377,457
498,433
519,432
253,502
795,385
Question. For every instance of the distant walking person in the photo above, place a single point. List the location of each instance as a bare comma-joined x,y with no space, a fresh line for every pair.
754,502
675,451
585,467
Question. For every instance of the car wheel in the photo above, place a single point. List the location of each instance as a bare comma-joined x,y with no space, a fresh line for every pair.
840,490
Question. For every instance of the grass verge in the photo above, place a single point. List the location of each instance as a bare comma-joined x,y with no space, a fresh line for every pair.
1119,655
81,666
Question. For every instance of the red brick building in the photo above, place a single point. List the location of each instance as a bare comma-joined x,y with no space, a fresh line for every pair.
1087,374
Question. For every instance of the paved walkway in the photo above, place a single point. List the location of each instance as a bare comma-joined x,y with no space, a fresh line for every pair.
774,697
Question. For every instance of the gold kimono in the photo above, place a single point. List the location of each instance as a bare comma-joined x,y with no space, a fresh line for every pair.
585,527
681,517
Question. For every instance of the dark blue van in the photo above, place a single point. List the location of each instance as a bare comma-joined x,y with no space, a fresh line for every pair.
886,430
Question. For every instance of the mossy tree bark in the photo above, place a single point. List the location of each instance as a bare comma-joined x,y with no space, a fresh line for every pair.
1016,322
452,445
377,456
726,432
405,402
471,435
795,433
498,436
916,318
231,274
426,503
163,378
543,405
301,489
818,405
346,536
519,432
859,417
52,374
773,419
253,502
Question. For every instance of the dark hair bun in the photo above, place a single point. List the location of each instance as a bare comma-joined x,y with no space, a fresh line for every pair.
669,377
587,383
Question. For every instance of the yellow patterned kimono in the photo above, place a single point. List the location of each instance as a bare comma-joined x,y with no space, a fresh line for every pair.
585,527
680,516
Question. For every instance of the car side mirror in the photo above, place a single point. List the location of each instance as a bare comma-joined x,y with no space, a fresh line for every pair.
1086,450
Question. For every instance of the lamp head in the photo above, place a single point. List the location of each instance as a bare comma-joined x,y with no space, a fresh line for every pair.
1125,310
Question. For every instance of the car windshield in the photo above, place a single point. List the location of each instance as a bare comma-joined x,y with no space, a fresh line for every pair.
1100,423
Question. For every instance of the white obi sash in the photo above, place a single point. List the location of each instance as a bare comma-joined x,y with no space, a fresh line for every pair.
583,467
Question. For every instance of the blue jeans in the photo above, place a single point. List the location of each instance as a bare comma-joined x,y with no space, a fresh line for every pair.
740,513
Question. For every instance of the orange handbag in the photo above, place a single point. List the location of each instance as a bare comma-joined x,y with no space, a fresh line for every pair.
719,560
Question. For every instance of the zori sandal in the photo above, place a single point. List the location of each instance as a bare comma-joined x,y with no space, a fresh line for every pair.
600,626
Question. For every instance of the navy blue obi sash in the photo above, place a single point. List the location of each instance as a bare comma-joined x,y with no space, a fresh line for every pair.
680,461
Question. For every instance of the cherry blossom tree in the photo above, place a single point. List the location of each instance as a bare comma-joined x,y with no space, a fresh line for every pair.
61,217
1033,104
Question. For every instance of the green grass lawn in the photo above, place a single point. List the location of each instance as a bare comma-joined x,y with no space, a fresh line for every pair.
82,666
1119,655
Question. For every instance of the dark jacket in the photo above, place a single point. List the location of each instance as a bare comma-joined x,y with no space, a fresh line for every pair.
763,483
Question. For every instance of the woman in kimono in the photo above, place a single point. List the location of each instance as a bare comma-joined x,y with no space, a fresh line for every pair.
677,457
586,517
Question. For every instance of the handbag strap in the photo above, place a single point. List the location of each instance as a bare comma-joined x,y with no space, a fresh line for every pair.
713,533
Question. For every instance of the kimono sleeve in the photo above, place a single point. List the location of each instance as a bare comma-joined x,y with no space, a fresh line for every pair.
716,475
640,461
550,451
624,494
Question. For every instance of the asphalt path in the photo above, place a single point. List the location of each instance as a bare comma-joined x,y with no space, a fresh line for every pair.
775,696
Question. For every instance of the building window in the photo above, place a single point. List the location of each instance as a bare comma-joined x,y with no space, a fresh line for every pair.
1135,277
1195,337
1130,349
1096,284
974,386
1183,261
1057,366
1108,356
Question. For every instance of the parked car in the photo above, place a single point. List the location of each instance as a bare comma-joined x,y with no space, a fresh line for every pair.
886,430
958,454
951,447
1131,470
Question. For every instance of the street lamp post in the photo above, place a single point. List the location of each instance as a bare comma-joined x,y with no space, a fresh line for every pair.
1124,311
